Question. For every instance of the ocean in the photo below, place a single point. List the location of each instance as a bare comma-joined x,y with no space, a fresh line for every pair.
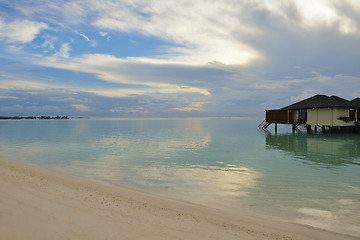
306,178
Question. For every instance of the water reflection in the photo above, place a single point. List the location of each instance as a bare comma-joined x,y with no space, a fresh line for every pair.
211,185
326,196
220,162
202,184
153,141
176,160
325,149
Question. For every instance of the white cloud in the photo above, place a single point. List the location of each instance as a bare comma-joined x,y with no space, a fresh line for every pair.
199,32
8,97
316,15
111,69
27,85
137,110
93,43
205,32
82,107
105,35
63,52
201,36
84,36
157,89
196,106
22,31
14,48
49,43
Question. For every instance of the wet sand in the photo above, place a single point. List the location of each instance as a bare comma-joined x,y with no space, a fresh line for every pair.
41,204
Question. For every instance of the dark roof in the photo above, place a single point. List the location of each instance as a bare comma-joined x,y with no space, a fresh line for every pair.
322,101
307,103
355,102
333,101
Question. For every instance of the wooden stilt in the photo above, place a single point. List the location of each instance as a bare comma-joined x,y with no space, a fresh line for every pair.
315,129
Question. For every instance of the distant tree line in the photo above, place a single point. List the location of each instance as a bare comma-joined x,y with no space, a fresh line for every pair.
32,117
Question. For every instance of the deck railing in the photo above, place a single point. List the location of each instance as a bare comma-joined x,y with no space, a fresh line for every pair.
280,116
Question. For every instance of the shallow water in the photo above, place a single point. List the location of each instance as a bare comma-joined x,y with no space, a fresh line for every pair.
311,179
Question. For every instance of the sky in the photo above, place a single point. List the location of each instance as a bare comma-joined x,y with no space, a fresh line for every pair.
183,58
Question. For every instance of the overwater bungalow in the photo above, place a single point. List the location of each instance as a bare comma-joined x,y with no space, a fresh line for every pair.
317,111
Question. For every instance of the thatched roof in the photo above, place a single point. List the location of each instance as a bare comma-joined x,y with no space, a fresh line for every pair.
355,102
322,101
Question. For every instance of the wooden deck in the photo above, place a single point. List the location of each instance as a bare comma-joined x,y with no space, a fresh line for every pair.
282,116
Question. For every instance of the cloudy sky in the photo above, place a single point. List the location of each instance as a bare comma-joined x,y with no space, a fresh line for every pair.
189,58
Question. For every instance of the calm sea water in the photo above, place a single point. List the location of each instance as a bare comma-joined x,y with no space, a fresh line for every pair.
306,178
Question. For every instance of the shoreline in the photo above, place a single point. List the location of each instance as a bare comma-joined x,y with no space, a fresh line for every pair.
43,204
33,118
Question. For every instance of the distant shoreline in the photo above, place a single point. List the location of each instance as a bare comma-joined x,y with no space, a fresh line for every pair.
32,117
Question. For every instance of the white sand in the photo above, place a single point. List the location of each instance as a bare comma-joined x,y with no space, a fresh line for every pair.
41,204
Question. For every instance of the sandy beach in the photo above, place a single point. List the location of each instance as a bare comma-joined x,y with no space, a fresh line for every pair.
42,204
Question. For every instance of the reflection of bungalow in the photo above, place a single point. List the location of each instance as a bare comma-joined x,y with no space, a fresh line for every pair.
319,110
334,149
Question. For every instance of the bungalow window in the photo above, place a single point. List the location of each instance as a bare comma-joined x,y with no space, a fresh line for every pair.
302,115
352,113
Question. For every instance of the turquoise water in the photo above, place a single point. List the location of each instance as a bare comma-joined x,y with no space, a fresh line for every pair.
312,179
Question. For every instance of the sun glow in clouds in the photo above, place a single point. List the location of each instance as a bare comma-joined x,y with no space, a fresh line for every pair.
200,35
